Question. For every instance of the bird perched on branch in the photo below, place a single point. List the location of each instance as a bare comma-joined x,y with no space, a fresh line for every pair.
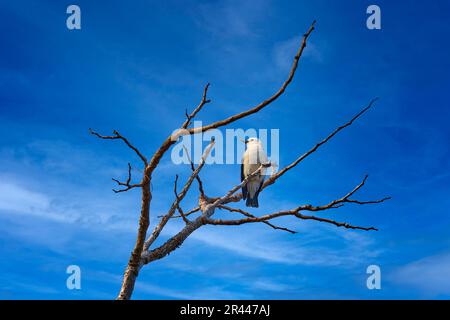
254,156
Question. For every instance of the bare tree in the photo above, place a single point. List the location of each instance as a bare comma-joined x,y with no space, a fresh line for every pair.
144,252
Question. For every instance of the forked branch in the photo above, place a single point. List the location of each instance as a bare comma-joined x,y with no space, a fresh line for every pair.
117,136
178,199
186,220
126,184
247,214
297,212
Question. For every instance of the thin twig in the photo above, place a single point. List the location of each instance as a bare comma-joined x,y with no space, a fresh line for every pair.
127,183
117,135
200,184
204,101
178,201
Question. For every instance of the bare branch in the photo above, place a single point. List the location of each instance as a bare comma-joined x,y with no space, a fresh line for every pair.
294,212
274,177
133,266
180,197
129,174
178,200
127,183
247,214
200,184
194,210
370,201
265,103
127,188
157,156
204,101
346,199
171,244
116,136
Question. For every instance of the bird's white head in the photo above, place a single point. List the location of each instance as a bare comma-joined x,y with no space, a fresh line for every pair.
251,140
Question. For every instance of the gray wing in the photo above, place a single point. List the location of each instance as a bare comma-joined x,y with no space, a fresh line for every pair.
260,186
244,188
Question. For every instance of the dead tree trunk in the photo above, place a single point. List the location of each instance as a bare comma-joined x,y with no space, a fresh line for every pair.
144,253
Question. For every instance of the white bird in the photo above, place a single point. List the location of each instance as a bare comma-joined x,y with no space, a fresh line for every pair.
252,159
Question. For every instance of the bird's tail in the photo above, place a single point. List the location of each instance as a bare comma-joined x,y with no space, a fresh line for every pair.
252,202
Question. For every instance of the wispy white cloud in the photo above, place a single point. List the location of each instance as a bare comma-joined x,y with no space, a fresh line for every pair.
270,285
18,199
429,274
231,18
52,179
29,287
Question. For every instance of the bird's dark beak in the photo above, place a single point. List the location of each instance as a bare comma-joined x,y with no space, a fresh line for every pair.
246,141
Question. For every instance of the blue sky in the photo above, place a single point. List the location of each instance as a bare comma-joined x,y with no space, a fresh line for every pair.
135,66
